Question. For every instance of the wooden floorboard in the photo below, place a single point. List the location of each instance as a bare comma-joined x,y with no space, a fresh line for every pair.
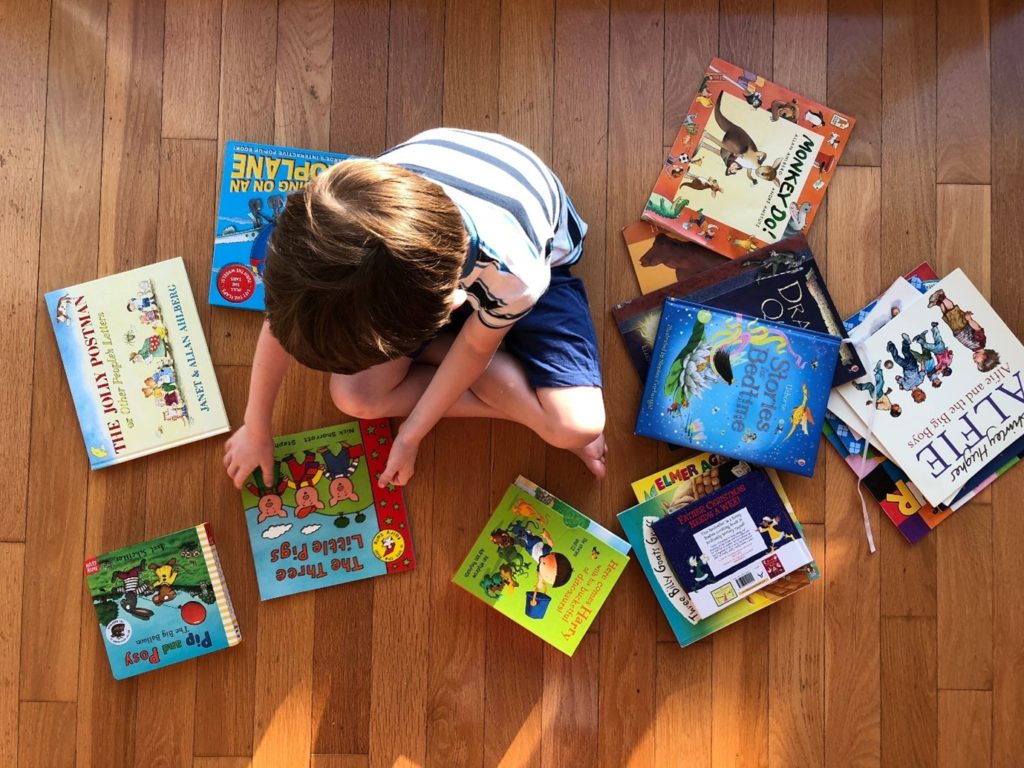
113,119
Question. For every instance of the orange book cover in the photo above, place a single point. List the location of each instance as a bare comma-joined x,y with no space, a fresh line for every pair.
750,164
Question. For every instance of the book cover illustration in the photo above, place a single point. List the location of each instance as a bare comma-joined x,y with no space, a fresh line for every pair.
161,602
548,568
738,386
687,625
781,283
136,360
661,258
255,183
322,520
947,373
690,479
750,163
731,542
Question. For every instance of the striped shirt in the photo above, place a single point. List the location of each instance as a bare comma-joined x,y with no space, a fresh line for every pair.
520,221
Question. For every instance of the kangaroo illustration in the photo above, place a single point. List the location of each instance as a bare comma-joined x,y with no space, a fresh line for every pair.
700,183
738,150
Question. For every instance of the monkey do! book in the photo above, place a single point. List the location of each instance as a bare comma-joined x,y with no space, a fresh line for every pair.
161,601
738,386
544,565
137,363
680,485
255,184
322,519
750,163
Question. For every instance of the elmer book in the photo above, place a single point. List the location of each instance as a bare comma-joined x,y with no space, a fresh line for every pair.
738,386
544,565
322,519
161,601
136,359
255,183
750,163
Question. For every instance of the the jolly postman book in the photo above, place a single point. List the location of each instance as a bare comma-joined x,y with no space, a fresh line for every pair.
750,164
137,363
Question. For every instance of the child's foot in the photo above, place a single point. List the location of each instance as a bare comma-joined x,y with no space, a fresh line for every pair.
593,455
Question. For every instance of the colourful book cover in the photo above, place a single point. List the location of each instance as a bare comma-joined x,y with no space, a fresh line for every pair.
690,479
161,601
323,520
547,567
661,258
255,184
136,360
731,542
686,623
946,385
738,386
781,283
750,163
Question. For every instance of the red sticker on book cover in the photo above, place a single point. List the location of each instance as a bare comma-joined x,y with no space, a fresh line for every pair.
773,565
92,566
236,283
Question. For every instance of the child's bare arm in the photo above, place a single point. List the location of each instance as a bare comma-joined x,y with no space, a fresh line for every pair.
252,444
468,358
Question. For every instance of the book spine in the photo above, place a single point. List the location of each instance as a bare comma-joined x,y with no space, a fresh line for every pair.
227,610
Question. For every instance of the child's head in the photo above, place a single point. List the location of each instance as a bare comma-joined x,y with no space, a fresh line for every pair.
363,266
554,569
986,359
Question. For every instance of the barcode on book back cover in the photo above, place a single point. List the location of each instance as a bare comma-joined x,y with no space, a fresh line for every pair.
744,579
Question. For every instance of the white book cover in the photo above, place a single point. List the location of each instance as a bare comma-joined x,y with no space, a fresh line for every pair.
944,392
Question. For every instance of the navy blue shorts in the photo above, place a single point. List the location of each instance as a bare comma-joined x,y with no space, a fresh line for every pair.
555,341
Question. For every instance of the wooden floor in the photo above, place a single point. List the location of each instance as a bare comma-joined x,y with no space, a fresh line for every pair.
112,118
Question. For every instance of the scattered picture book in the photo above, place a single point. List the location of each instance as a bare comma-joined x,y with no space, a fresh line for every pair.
945,397
255,183
543,564
322,519
780,282
750,163
161,601
731,384
677,486
136,360
661,258
731,543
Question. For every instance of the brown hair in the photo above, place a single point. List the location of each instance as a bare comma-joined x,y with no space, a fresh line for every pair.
362,265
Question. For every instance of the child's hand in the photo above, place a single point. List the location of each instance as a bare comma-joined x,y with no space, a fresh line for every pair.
244,451
401,463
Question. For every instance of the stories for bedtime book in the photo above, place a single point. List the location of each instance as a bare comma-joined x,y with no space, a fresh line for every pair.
738,386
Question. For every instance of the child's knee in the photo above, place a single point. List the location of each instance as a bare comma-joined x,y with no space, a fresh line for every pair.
353,397
577,425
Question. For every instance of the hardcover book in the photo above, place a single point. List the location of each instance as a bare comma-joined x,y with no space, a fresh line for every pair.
738,386
255,184
690,479
945,397
136,359
161,601
750,163
322,519
731,542
661,258
687,625
544,565
781,283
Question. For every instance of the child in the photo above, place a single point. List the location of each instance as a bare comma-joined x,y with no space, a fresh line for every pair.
402,276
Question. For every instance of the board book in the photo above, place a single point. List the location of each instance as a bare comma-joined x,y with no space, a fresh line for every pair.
255,183
136,360
322,519
781,283
739,386
544,565
945,397
749,165
686,624
661,258
161,601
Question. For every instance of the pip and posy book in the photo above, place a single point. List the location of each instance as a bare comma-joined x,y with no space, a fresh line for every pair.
140,374
544,565
323,519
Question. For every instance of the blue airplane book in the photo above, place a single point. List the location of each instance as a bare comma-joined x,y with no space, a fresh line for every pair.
161,601
738,386
732,542
255,183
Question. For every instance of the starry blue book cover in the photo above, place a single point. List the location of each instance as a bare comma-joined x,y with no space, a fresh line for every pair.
738,386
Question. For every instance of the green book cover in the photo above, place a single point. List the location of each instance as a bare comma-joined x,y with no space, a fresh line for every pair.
544,565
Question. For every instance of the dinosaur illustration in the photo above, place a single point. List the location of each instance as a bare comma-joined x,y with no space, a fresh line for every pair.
800,417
